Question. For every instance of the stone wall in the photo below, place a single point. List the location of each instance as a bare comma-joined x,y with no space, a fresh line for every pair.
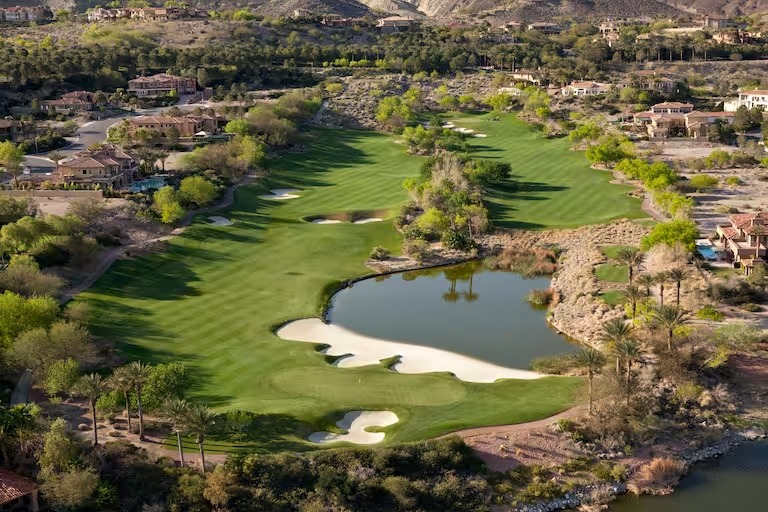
62,194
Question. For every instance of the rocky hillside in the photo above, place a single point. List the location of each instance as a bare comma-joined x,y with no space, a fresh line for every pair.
722,7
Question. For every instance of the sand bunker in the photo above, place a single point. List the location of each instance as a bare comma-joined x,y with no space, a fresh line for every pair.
464,130
355,423
281,193
368,220
360,350
449,125
220,221
326,221
480,135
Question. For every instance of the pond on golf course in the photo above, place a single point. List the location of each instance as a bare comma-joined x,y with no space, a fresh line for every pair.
732,483
467,309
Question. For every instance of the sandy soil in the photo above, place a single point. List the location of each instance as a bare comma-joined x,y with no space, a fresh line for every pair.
363,351
355,423
682,149
281,194
368,220
217,220
60,205
326,221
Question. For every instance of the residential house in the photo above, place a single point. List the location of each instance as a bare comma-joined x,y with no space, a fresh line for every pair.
99,14
108,166
585,89
159,13
17,493
698,124
20,14
187,126
734,36
745,238
512,26
398,24
608,27
546,28
717,23
10,129
672,107
749,99
333,20
161,84
78,101
663,126
651,81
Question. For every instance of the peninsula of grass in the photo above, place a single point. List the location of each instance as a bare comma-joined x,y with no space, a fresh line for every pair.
612,251
612,273
612,297
213,298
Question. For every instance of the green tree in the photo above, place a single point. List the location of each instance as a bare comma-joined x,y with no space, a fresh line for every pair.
646,281
177,410
92,386
17,425
122,381
633,295
672,233
611,149
18,314
613,332
138,373
593,362
238,127
197,190
669,318
11,159
61,376
198,421
166,203
702,182
632,258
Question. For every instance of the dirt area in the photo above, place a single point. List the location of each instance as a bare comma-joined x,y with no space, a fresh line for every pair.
751,371
60,205
681,149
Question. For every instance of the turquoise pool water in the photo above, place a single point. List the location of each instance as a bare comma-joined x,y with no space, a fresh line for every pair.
707,251
149,183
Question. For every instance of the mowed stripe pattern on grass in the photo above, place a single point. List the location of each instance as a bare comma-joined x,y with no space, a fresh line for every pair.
214,297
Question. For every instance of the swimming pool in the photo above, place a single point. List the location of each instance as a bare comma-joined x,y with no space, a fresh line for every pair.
707,251
149,183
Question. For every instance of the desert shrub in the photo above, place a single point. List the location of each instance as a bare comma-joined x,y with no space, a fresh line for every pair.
379,253
554,365
721,208
610,472
733,181
457,240
540,491
540,297
710,312
581,463
660,473
702,182
688,392
417,249
537,261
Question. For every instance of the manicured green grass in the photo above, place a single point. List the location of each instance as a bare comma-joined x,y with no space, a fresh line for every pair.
612,297
551,186
612,251
612,273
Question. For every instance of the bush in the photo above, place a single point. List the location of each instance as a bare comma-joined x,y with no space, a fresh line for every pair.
537,261
540,491
610,472
554,365
751,307
660,473
540,297
457,240
379,253
710,312
702,182
417,249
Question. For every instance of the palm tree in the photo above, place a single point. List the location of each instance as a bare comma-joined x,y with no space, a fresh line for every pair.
138,373
176,410
593,361
631,351
198,421
669,318
121,381
632,294
632,258
615,331
661,279
678,275
92,386
646,281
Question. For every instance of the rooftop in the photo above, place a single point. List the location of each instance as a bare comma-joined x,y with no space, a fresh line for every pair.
13,486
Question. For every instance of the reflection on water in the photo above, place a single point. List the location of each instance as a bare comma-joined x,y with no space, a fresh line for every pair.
735,483
466,308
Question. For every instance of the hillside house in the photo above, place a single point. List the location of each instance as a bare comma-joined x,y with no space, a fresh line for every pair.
99,14
745,238
398,24
187,126
18,14
677,121
17,493
651,81
546,28
672,107
333,20
512,26
749,99
161,84
717,23
11,129
78,101
585,89
108,166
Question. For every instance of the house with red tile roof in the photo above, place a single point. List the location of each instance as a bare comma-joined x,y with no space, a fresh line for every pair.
745,238
17,492
108,166
585,89
161,84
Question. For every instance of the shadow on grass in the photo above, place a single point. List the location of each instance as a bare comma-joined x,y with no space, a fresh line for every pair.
503,199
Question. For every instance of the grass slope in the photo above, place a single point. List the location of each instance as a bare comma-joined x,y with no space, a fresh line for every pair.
552,186
214,297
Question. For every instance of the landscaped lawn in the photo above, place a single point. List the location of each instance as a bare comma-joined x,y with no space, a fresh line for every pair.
213,299
612,251
552,186
612,297
612,273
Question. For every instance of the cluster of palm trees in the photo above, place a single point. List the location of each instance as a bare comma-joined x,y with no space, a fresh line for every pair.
618,334
185,418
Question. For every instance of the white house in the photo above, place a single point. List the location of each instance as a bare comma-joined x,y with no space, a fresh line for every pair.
585,89
749,99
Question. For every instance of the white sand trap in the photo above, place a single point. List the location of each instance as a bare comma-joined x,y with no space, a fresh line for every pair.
281,193
480,135
355,423
363,350
326,221
464,130
368,220
449,125
220,221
